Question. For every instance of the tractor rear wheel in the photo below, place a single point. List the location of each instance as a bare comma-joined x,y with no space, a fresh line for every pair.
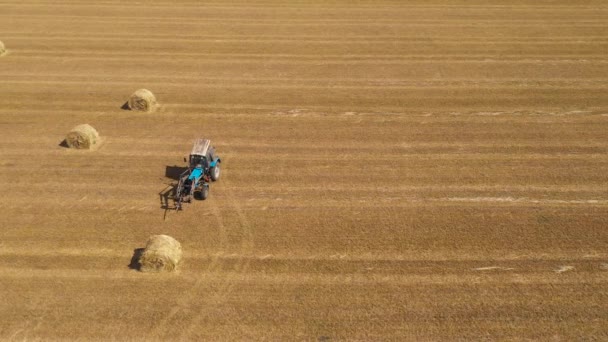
215,172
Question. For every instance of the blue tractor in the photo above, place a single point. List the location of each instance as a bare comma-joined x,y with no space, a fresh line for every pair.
203,168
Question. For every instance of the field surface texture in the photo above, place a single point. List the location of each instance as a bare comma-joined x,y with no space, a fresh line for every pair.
392,170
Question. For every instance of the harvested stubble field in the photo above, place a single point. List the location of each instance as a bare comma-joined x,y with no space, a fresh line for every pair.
393,170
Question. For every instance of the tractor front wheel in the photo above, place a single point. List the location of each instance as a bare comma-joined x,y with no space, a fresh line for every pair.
215,172
203,193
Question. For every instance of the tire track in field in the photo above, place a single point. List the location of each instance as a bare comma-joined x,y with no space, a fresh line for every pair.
226,286
223,236
215,266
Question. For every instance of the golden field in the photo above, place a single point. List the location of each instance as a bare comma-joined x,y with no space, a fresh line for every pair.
392,170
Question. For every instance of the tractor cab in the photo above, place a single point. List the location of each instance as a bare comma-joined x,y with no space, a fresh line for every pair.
202,153
194,182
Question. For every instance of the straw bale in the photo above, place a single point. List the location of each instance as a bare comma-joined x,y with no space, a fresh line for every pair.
142,100
162,253
2,48
82,137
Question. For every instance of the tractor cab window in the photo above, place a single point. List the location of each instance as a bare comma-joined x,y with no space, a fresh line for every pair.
196,159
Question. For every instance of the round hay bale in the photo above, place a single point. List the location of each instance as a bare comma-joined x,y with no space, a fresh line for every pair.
142,100
82,137
2,48
162,253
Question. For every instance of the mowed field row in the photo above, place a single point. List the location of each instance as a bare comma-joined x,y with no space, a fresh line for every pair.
390,170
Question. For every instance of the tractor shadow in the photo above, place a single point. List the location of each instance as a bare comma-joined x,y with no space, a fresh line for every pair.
134,265
173,172
166,197
167,194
